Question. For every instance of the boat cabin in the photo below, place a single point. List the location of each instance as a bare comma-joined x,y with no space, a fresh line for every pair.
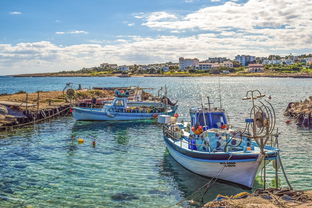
120,102
208,119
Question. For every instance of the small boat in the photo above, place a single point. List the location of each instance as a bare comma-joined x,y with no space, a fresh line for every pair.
120,109
209,147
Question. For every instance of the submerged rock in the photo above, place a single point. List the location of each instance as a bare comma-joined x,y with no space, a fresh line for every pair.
157,192
124,197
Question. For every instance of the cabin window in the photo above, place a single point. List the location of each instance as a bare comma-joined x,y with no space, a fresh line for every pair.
203,121
217,120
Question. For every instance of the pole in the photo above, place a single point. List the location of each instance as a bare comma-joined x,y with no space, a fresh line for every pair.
38,97
209,107
264,174
220,97
276,175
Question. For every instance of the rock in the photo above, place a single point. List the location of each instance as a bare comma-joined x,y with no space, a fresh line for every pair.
124,197
302,111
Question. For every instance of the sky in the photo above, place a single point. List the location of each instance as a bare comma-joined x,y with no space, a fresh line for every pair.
38,36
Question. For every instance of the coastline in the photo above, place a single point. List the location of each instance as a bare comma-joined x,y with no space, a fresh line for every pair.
273,75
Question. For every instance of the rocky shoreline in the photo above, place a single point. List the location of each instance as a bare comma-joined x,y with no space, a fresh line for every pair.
269,198
301,111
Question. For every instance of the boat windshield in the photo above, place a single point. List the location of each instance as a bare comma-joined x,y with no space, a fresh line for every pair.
218,120
119,103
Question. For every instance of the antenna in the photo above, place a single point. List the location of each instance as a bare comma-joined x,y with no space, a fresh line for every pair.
220,97
203,111
209,103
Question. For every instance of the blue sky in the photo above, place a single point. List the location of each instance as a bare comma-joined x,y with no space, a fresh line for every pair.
56,35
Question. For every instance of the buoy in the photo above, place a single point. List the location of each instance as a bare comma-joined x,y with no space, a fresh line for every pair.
176,115
70,110
155,115
288,121
80,140
93,143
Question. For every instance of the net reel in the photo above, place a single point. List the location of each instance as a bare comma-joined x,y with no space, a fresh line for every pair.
262,119
69,92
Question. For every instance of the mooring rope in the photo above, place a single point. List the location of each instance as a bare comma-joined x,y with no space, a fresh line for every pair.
208,185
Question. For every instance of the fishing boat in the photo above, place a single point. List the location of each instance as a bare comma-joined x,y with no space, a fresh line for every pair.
209,146
121,109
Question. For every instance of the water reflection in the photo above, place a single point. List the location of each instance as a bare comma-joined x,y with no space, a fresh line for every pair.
188,182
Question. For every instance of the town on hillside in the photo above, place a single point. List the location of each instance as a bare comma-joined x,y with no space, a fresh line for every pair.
214,65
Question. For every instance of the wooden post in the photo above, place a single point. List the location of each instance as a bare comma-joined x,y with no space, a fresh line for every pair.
27,102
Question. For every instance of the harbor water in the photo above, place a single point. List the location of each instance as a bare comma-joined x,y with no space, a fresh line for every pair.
44,166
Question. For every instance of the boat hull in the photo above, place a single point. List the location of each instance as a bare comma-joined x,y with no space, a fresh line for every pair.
82,114
240,172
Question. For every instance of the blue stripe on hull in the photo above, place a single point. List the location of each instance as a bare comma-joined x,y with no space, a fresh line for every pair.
216,157
98,115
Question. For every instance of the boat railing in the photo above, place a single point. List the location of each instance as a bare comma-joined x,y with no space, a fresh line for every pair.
176,135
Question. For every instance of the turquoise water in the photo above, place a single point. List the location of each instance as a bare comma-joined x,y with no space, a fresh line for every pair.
44,166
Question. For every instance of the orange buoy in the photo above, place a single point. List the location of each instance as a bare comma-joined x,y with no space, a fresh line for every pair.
80,140
155,115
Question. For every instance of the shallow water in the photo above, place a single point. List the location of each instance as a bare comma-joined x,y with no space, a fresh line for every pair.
44,166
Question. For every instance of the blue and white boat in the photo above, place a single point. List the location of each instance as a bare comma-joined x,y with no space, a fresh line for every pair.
209,147
122,110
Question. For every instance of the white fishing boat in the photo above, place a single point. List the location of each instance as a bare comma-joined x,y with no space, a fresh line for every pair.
209,147
120,109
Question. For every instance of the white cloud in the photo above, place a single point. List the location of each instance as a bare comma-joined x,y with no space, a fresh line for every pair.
15,13
278,23
139,15
157,16
130,24
215,0
72,32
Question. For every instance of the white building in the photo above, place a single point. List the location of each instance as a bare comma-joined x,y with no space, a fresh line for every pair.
273,61
288,61
244,60
188,63
123,68
226,64
252,68
204,66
